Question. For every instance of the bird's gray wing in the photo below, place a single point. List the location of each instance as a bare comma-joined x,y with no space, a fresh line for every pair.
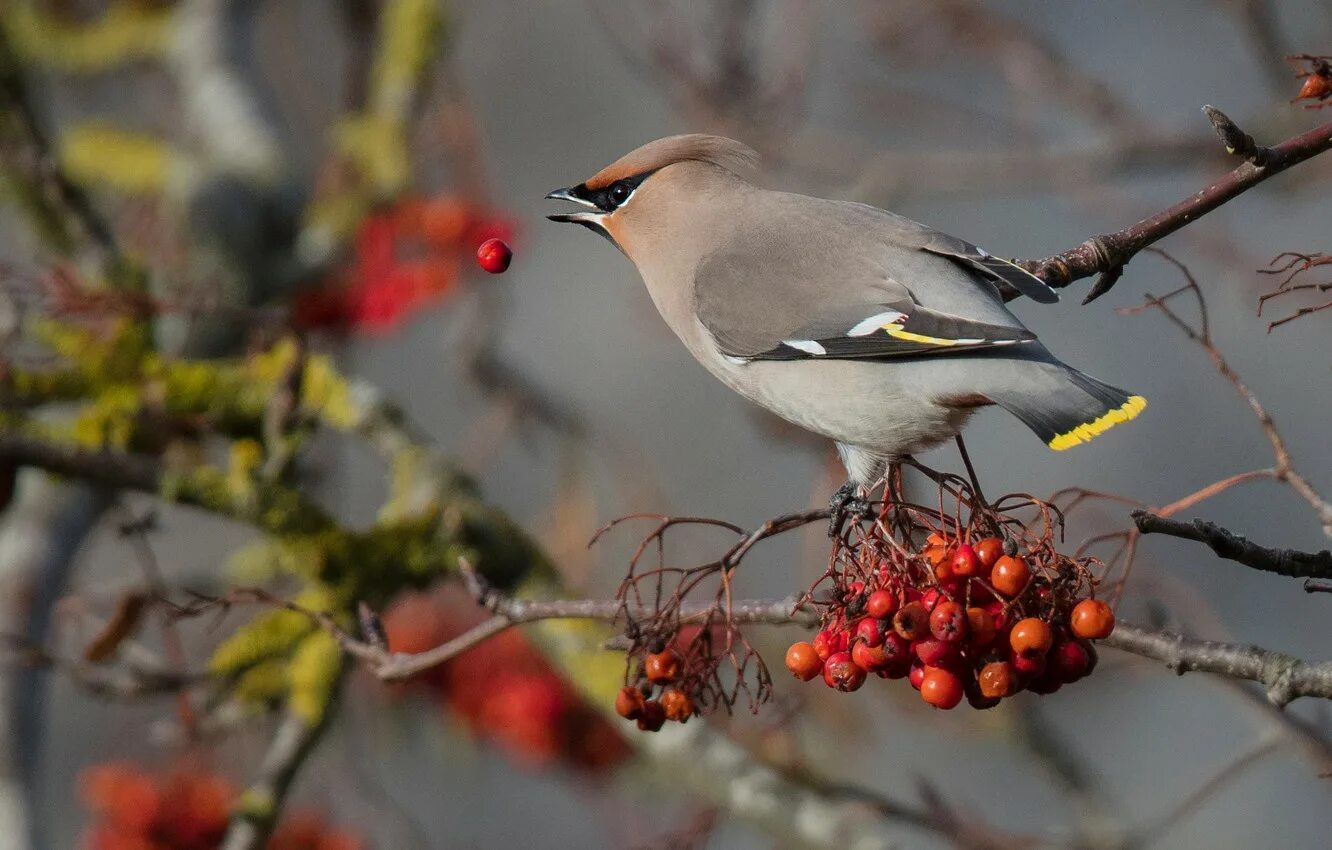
995,268
869,285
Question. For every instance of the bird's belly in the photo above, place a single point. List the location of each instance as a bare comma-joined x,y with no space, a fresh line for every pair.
878,406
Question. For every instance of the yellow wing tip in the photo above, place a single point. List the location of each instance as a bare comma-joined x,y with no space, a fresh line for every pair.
1087,430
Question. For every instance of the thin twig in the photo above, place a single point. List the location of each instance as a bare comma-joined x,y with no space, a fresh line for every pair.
1227,544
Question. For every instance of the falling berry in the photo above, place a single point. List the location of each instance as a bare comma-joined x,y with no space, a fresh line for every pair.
494,256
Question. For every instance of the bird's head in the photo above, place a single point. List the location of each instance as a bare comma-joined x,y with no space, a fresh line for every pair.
650,189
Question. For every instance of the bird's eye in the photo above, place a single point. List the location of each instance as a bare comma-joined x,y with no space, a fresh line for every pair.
619,193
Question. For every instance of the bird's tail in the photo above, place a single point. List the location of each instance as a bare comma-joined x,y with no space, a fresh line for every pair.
1067,408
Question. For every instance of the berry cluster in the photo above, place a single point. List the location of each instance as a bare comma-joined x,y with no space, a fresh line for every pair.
958,619
184,809
662,672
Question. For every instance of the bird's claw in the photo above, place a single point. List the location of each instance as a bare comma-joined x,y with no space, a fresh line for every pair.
845,503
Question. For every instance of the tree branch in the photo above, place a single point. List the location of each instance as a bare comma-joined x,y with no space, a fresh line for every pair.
1107,254
1284,677
261,802
1227,544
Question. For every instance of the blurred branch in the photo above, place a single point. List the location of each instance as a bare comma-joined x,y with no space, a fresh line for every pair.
1294,264
1285,677
1227,544
260,803
1107,254
60,211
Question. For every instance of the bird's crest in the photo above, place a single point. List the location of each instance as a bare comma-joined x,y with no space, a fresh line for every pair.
696,147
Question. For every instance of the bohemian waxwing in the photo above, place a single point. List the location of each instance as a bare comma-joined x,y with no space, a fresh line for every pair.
855,323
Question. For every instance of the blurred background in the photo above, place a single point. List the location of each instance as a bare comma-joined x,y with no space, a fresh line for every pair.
337,163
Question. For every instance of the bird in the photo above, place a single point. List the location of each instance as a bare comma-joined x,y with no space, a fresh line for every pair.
852,322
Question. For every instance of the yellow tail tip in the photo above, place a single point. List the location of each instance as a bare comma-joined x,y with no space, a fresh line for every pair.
1087,430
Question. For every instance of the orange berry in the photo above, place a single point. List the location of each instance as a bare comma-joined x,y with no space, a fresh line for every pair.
940,688
1092,619
662,667
997,679
677,705
1031,636
629,703
1010,575
803,661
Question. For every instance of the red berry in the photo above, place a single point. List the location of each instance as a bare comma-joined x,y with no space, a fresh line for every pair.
840,672
1092,619
912,621
653,716
948,621
629,703
896,649
870,631
1010,575
494,256
936,653
966,562
662,667
997,679
940,688
1071,661
980,628
677,705
1031,636
916,674
1027,666
803,661
988,551
881,604
825,643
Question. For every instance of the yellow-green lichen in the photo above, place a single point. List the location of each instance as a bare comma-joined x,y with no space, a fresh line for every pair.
126,31
314,673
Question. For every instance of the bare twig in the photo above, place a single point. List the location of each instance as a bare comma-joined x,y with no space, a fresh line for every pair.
1107,254
1227,544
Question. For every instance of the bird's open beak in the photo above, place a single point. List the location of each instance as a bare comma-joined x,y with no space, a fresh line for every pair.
584,218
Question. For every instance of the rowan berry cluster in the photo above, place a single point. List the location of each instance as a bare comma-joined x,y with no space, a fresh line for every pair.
958,618
659,695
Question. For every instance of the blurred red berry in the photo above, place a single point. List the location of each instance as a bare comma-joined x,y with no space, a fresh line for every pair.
840,672
653,716
881,604
629,702
997,679
663,667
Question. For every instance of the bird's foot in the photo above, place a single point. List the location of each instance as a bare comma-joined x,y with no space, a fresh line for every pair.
845,503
